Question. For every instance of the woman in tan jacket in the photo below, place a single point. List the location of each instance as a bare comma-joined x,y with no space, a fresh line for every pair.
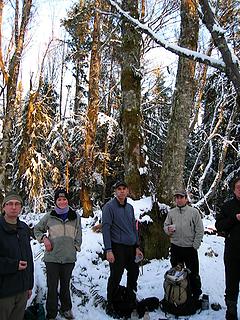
60,231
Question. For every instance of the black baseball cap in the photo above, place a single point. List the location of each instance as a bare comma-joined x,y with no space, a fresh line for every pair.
120,183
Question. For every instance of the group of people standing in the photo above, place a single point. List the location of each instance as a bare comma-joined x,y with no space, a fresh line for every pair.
184,226
60,232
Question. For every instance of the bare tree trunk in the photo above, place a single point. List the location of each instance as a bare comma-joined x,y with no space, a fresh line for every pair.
174,154
131,100
9,117
143,8
153,239
92,116
106,144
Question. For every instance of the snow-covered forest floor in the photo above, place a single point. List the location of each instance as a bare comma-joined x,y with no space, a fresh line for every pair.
91,272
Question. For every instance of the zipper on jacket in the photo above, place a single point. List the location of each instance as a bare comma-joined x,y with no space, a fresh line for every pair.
21,257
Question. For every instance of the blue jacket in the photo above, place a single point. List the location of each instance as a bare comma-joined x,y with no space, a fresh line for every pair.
119,224
14,246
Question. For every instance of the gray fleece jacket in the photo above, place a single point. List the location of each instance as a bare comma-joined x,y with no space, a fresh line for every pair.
189,226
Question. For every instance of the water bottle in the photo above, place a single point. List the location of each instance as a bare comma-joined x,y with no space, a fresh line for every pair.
205,302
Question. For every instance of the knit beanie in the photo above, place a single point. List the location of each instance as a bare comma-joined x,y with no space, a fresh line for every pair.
60,193
12,195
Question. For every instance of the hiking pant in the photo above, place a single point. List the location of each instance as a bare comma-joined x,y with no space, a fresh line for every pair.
232,277
57,272
189,257
12,308
124,259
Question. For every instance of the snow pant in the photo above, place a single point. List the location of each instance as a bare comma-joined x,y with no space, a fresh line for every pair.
188,256
12,308
232,277
58,273
124,259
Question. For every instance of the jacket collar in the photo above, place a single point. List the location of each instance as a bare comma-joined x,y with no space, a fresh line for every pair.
6,227
121,205
70,216
182,209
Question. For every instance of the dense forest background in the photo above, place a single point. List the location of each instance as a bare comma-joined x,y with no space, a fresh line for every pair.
120,117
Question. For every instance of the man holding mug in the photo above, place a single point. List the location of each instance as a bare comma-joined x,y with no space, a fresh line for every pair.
185,228
16,262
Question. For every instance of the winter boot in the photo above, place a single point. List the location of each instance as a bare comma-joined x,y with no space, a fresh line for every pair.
231,313
110,311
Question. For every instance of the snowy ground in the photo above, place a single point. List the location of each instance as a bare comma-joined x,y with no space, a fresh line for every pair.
91,273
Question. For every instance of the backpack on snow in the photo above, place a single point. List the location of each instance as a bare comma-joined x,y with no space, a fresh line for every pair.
35,312
124,301
178,298
148,304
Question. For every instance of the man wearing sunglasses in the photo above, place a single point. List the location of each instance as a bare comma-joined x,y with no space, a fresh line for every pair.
16,262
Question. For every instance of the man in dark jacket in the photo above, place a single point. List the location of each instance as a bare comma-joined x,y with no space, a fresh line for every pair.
121,243
228,221
16,262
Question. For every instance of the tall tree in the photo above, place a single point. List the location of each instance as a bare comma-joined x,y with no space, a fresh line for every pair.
78,27
20,29
174,154
223,42
131,101
33,166
92,115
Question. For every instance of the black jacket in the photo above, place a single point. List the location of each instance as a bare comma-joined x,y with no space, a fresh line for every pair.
227,222
14,246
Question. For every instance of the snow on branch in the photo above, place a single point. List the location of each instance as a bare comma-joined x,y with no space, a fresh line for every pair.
230,60
178,50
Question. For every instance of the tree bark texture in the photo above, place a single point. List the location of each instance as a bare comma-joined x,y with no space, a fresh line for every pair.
153,239
10,114
131,99
174,153
92,116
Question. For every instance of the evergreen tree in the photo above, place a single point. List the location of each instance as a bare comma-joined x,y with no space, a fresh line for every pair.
32,166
